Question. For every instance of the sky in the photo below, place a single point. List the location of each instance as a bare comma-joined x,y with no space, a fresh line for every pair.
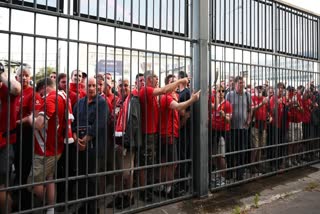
311,5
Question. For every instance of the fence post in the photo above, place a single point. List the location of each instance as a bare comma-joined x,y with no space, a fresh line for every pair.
200,36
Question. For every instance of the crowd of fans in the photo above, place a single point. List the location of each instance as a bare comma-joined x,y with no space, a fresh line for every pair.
262,129
92,134
95,134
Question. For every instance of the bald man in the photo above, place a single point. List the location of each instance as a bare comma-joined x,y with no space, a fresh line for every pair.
89,131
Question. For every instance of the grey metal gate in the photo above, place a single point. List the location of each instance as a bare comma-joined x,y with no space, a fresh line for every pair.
262,51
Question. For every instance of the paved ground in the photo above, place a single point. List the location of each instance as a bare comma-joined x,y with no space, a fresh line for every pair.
293,192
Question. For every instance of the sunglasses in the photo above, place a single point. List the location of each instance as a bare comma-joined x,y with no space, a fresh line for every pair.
125,85
221,91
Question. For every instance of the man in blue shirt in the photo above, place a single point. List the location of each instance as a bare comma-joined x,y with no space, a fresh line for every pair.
89,131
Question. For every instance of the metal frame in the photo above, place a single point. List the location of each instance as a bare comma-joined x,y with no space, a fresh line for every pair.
276,59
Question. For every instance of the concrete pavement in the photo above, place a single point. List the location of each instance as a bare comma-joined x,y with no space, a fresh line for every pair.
296,191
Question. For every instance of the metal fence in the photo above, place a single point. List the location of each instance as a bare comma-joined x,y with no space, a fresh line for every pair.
138,145
272,47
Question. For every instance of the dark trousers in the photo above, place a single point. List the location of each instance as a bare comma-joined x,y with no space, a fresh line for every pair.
23,151
239,142
67,164
183,147
88,186
276,136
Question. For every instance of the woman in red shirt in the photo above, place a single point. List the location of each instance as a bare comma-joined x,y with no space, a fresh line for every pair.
221,117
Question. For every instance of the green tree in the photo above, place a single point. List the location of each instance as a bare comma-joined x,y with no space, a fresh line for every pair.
42,73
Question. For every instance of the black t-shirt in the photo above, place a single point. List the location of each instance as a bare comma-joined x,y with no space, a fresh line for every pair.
184,95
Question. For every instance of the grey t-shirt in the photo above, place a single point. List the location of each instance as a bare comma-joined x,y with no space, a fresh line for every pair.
240,108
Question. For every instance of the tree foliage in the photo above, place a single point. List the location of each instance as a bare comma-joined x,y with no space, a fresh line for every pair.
44,72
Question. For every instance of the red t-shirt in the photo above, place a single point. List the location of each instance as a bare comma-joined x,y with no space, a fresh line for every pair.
261,113
73,98
149,110
45,139
111,100
4,95
295,115
280,111
169,117
27,103
306,105
135,92
81,91
218,122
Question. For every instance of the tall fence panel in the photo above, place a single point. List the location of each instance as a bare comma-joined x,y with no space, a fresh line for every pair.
115,71
263,92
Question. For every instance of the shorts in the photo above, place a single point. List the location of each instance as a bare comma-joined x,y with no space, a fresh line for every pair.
43,168
149,150
169,151
295,132
6,164
259,139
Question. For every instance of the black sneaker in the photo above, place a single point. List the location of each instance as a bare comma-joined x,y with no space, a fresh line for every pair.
146,195
117,202
127,202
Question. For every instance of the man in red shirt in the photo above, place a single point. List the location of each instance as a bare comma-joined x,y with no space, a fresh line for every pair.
169,130
294,102
149,119
69,152
138,84
221,136
49,141
280,125
259,130
62,85
76,84
29,103
7,133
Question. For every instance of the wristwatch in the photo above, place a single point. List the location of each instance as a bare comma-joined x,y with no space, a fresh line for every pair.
1,68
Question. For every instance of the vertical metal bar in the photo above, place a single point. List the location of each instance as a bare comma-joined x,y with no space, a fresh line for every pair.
200,62
291,32
146,14
265,26
160,20
167,19
251,44
225,22
210,86
139,13
258,26
34,72
213,21
302,36
131,16
153,15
